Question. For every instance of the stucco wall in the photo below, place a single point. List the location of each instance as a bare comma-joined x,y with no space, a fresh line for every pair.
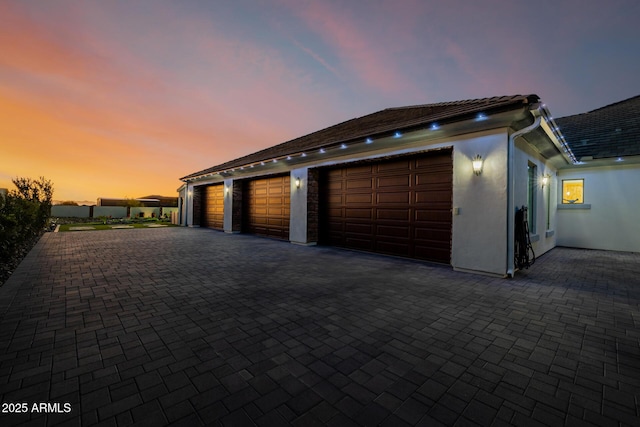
65,211
298,207
227,217
112,211
479,230
544,238
613,222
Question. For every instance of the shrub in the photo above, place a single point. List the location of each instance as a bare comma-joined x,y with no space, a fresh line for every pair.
24,214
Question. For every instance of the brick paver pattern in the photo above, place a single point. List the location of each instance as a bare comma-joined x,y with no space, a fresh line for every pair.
193,326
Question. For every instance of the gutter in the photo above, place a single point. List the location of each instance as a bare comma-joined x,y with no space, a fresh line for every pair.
536,113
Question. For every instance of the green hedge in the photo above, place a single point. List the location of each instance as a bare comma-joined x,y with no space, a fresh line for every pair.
24,214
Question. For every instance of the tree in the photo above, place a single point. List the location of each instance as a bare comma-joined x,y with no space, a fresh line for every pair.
68,203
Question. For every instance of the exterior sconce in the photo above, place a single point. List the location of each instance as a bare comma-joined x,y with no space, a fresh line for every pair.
226,190
477,164
545,180
297,182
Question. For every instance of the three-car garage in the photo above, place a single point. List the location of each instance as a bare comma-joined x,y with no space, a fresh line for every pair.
398,206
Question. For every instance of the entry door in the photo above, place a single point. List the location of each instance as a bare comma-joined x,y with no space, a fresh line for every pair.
266,207
400,206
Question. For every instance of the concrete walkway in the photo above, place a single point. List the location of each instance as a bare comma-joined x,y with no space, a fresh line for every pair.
192,326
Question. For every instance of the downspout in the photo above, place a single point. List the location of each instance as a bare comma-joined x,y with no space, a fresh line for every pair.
511,189
186,205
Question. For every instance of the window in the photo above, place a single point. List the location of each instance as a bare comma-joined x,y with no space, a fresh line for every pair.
573,191
531,196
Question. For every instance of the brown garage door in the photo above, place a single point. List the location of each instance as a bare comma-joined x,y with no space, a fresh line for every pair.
400,206
213,206
266,207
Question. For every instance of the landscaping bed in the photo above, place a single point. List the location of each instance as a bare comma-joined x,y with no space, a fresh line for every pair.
109,224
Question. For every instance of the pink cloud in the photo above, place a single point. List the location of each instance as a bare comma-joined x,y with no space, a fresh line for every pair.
363,51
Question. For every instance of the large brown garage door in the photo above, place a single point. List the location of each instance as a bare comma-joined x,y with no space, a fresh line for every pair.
400,206
213,206
266,207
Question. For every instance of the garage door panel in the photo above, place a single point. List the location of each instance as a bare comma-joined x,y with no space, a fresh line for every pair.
354,171
399,214
365,198
393,181
434,163
359,183
429,178
266,207
398,232
431,234
407,212
359,213
358,228
440,217
393,198
435,196
396,165
213,206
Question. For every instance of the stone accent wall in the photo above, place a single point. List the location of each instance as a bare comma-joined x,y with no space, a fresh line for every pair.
313,187
197,205
236,216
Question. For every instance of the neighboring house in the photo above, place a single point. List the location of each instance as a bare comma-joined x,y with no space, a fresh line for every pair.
147,201
599,206
401,182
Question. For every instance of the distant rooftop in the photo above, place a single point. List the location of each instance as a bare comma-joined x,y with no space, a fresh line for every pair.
607,132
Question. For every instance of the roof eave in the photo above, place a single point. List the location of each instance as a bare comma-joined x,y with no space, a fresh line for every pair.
468,120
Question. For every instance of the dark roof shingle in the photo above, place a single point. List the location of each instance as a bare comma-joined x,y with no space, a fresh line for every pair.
377,124
609,131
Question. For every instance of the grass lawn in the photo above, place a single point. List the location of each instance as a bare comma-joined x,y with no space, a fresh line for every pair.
101,226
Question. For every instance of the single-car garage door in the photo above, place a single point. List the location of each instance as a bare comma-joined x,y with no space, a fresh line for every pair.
399,206
266,207
213,206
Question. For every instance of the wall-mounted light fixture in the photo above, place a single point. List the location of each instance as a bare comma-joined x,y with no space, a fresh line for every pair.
477,164
545,180
297,182
226,190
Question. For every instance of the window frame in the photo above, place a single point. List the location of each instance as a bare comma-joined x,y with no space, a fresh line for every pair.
562,194
532,196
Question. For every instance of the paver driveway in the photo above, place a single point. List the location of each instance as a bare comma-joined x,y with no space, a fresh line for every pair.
193,326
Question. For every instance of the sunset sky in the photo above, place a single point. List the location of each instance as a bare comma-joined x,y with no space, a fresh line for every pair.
122,98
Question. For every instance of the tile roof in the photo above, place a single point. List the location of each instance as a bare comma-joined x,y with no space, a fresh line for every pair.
609,131
381,123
